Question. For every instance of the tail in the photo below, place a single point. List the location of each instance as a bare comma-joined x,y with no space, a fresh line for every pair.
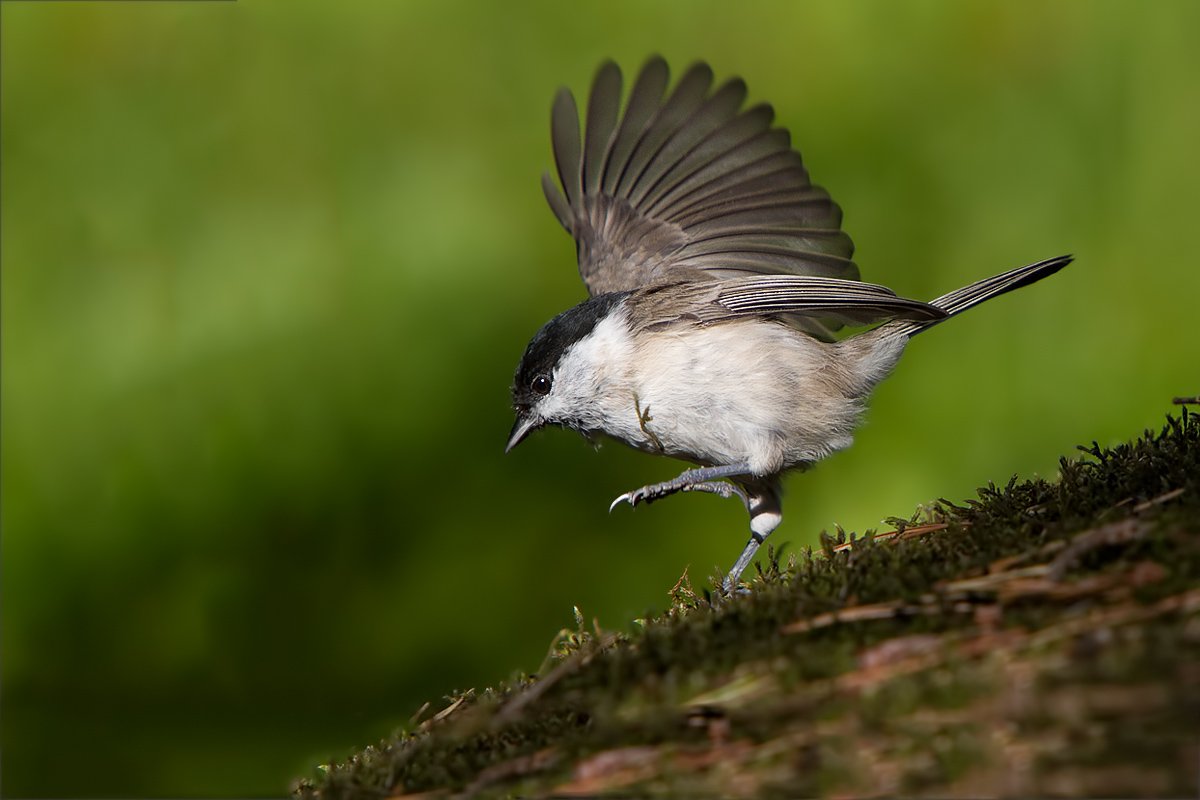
961,299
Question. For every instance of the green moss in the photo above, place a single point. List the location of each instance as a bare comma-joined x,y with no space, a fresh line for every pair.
1042,622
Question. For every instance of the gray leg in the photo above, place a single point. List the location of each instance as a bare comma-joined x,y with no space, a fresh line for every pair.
700,479
722,488
766,512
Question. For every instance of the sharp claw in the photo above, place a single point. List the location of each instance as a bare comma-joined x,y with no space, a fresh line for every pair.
627,497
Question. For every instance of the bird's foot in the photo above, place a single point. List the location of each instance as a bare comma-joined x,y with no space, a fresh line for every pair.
657,491
700,479
732,590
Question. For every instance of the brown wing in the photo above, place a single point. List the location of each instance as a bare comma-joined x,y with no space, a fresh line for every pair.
686,182
796,298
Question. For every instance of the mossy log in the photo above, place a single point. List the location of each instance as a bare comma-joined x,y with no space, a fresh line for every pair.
1043,639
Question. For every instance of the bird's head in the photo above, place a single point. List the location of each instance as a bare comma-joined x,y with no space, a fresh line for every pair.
556,381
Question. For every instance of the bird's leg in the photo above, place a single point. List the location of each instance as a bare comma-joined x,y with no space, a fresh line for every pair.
766,512
701,479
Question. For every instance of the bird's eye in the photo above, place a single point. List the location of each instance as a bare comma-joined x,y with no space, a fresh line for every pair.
540,385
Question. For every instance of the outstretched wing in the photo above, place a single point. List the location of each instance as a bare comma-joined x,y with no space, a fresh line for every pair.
686,182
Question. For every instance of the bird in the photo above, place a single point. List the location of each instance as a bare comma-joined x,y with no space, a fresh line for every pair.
718,276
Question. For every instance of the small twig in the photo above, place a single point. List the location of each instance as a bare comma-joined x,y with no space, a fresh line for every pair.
1008,562
920,530
415,718
448,710
909,532
1122,532
868,613
985,583
1157,501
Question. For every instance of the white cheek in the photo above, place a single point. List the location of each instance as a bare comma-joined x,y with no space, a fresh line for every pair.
594,369
590,378
552,408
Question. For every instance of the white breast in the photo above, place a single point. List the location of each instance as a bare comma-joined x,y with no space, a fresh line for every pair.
748,391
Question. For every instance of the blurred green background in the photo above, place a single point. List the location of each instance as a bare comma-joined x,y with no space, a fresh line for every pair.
268,267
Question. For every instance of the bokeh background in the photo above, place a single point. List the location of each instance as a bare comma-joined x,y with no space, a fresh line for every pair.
268,266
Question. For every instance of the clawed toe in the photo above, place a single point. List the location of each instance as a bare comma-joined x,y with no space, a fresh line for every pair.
642,495
625,498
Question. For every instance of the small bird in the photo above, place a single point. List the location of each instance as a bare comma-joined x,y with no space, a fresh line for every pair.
717,274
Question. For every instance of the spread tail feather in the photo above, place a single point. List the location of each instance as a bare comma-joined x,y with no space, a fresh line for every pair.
961,299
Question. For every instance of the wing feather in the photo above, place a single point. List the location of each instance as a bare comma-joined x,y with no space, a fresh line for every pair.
767,208
712,115
807,302
848,301
644,99
564,132
764,260
680,105
689,173
718,178
558,203
603,106
686,183
778,241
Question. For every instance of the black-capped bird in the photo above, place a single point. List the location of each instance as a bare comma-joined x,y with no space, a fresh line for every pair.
717,275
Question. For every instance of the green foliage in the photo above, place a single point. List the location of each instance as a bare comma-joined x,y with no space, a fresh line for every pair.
267,269
1035,573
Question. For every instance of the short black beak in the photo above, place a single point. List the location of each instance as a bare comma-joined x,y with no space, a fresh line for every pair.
526,424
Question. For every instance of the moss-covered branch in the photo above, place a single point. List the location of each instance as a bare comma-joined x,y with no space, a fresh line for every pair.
1042,639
